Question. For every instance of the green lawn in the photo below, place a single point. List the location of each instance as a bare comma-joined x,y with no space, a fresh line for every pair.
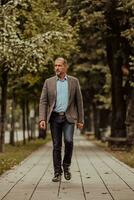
13,155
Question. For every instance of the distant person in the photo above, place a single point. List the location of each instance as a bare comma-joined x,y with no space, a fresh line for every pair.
61,104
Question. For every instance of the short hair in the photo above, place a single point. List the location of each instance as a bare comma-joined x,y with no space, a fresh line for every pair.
63,59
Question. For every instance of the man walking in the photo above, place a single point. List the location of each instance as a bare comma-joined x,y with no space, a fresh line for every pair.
61,104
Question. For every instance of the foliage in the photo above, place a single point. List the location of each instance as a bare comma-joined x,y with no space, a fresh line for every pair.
128,7
100,21
39,41
90,63
32,35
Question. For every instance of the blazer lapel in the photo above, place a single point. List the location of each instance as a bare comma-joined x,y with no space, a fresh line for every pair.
54,86
69,89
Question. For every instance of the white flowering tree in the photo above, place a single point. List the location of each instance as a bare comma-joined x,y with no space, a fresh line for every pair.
32,35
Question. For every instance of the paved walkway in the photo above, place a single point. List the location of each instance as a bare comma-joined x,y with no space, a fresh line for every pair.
96,175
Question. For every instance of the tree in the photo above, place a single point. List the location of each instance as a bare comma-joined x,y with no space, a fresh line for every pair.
31,38
117,54
89,64
103,29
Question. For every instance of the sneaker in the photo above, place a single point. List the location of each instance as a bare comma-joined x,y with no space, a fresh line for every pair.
67,175
56,178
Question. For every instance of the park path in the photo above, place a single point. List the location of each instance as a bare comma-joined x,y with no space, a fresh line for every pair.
96,175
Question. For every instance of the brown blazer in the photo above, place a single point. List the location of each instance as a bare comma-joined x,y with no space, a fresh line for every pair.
74,112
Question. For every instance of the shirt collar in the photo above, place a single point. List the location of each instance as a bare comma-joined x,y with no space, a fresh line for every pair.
65,78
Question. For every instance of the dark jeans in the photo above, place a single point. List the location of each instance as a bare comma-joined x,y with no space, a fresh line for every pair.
59,125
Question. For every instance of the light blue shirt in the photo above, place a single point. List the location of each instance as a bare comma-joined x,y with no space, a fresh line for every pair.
62,95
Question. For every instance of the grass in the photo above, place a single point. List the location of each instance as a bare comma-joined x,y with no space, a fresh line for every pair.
13,155
124,156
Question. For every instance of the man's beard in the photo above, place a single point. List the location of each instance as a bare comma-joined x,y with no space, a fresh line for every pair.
58,73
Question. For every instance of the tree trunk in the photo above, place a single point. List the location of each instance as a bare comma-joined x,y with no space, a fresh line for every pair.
3,108
27,120
33,121
96,118
104,118
118,128
24,121
12,139
115,61
87,122
91,118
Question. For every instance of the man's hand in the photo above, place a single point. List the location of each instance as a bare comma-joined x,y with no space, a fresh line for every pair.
43,125
80,125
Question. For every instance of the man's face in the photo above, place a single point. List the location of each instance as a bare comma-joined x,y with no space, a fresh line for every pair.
60,67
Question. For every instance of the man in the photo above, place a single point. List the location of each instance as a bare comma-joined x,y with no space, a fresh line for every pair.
61,104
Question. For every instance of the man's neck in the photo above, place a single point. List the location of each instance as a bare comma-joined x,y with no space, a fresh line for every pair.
62,77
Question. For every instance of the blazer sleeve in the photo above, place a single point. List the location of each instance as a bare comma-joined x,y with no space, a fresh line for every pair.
79,103
43,103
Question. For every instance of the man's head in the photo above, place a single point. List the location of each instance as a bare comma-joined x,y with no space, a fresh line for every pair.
60,67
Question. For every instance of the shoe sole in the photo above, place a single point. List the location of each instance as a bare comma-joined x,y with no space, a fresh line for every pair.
58,180
67,178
